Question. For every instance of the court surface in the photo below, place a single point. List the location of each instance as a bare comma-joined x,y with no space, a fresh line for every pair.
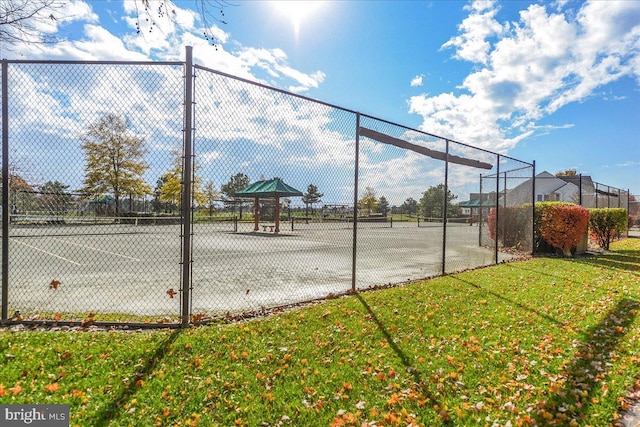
129,268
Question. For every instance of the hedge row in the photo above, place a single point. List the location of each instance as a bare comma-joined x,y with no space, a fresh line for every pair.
606,225
558,226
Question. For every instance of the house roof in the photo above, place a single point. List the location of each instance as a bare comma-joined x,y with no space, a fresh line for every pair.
271,188
577,179
476,203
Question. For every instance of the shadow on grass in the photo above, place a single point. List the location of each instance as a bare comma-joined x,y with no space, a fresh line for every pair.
111,410
562,275
618,260
584,374
417,375
517,304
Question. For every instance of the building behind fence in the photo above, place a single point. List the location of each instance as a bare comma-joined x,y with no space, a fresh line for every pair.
179,245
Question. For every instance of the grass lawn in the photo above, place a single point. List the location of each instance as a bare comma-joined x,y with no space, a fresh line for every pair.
544,342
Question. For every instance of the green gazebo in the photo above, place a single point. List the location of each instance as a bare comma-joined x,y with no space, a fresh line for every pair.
272,188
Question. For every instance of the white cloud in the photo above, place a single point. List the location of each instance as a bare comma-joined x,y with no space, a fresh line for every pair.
628,164
46,24
531,68
209,157
472,44
164,38
417,80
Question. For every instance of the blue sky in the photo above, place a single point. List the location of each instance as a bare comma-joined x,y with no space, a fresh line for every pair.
555,82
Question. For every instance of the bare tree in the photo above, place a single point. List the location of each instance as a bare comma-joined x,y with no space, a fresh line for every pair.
21,21
211,11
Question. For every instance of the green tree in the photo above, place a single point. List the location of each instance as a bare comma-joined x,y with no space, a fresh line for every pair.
211,194
383,205
410,206
368,202
311,197
114,160
54,197
158,205
236,183
432,202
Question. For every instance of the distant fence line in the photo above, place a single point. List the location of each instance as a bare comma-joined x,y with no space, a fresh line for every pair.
71,244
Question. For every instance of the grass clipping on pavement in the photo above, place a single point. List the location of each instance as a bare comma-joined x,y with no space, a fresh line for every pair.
549,341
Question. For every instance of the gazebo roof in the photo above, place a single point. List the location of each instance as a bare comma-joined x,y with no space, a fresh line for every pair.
270,188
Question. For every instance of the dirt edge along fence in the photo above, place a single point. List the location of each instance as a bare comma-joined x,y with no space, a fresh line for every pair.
234,197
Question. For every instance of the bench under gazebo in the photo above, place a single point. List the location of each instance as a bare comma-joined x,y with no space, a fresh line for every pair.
269,189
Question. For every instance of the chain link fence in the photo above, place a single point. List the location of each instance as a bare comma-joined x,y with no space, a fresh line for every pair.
581,190
171,193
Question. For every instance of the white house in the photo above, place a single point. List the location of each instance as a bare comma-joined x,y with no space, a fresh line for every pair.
551,188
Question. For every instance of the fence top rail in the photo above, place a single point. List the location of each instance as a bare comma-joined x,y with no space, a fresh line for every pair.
306,98
609,187
493,175
275,89
77,62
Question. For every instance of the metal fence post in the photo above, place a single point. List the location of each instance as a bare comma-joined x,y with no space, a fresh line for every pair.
444,210
497,227
355,205
580,190
186,195
479,215
628,209
533,210
5,191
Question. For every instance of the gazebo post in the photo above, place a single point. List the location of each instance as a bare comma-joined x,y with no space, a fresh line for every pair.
277,230
256,213
274,188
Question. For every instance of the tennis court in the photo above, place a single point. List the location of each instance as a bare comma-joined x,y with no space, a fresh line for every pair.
128,268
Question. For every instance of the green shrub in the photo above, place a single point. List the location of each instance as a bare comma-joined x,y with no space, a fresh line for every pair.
563,226
607,224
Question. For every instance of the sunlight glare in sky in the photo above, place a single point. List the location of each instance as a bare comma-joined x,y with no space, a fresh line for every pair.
297,11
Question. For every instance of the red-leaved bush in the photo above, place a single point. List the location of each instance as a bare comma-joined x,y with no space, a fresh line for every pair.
563,226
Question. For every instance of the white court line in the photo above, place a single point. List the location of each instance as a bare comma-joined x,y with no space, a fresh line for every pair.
96,249
46,252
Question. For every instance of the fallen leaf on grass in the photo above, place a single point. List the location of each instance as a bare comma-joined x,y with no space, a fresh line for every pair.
51,388
89,320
